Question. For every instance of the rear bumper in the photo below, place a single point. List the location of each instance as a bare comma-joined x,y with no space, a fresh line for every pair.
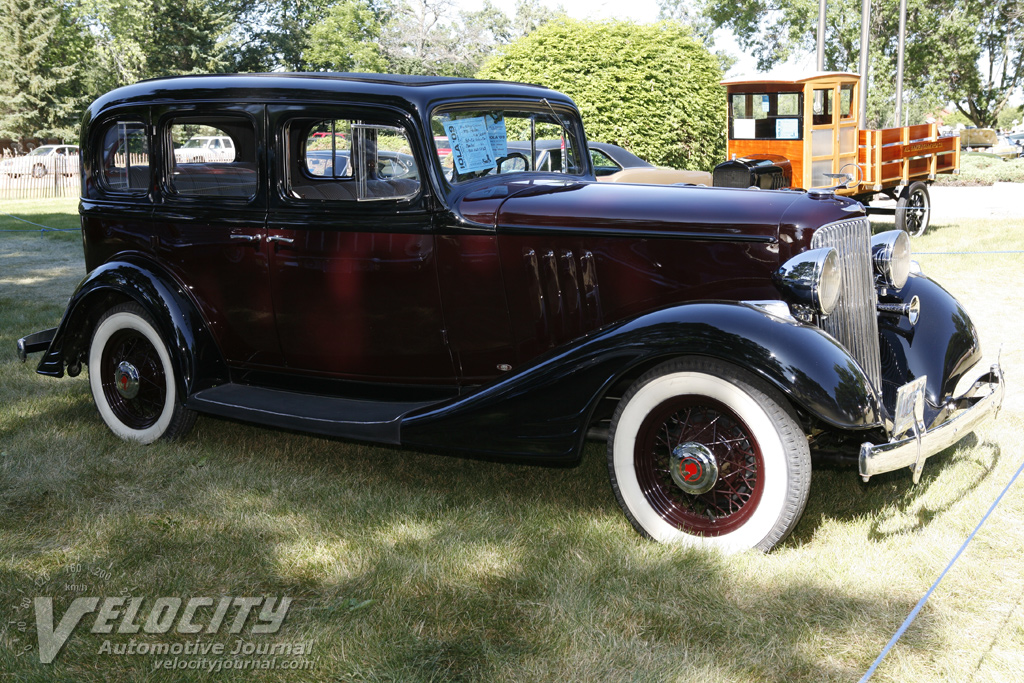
33,343
979,403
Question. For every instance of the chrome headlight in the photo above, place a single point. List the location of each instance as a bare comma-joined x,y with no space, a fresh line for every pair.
811,279
890,252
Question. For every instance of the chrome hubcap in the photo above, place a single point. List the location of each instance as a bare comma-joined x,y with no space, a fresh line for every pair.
126,379
693,468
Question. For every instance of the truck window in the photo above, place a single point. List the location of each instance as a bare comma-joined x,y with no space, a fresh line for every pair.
846,101
822,107
766,116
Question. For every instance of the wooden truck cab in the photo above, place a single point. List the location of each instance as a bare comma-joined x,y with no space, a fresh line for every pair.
814,124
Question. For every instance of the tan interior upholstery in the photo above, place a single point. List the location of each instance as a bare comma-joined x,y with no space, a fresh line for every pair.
657,176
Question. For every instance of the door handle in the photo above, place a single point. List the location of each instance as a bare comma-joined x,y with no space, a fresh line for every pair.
251,239
282,240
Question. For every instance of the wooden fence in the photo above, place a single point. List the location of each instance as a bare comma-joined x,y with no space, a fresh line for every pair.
39,177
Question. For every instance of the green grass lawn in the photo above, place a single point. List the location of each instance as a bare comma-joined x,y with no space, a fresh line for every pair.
406,566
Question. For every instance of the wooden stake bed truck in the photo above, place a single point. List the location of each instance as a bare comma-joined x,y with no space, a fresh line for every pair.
807,133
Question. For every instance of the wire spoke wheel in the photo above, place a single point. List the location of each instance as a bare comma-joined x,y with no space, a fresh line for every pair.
132,378
738,462
701,452
139,401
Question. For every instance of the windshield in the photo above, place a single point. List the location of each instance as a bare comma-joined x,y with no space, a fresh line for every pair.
194,142
40,151
472,143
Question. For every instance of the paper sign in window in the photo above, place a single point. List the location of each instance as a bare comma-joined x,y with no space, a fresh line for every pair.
743,129
787,129
470,144
497,135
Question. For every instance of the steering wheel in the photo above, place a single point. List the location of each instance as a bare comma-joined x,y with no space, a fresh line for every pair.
512,155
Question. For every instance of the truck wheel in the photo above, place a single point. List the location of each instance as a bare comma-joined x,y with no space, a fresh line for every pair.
702,453
914,209
133,380
38,171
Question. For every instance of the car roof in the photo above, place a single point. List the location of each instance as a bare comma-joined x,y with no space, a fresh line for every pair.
418,91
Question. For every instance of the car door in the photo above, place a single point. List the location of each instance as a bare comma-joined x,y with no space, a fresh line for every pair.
209,227
353,256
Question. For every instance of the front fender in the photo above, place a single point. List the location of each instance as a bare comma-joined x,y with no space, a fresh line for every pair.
943,345
191,346
542,411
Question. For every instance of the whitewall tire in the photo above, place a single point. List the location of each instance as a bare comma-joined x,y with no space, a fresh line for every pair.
703,453
133,379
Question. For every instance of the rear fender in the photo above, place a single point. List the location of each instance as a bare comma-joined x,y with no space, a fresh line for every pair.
542,412
191,346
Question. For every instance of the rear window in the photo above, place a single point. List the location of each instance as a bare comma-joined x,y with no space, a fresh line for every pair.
124,166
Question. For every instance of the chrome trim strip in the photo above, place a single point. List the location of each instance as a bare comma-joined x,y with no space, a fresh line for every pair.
876,459
592,231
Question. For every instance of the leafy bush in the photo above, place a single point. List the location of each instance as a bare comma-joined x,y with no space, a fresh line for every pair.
650,88
984,170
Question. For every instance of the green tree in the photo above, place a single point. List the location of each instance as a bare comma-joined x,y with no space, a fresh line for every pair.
41,92
348,38
946,42
651,88
139,39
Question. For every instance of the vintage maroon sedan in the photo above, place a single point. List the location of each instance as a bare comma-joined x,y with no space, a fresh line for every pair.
712,336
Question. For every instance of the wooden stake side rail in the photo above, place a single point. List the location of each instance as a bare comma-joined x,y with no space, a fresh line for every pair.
899,156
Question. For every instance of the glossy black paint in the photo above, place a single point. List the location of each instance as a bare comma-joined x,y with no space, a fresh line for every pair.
943,345
134,278
504,366
542,412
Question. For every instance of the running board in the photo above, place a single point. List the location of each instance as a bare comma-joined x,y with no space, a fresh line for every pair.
375,421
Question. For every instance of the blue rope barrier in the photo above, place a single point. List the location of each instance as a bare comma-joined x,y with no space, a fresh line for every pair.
964,253
42,228
920,603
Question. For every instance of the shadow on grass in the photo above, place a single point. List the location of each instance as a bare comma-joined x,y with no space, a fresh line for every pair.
404,566
837,492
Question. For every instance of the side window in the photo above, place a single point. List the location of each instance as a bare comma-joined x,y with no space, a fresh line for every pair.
349,160
203,166
822,105
124,166
846,101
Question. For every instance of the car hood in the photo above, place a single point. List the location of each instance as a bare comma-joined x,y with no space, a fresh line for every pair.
610,208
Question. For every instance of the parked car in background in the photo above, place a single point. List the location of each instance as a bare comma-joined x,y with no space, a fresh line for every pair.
976,138
611,164
59,159
321,163
1018,140
1006,148
206,149
606,158
710,337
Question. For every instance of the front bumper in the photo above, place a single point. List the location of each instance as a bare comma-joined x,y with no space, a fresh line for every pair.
980,402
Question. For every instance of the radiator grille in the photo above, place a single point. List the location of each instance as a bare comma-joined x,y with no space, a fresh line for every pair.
854,323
